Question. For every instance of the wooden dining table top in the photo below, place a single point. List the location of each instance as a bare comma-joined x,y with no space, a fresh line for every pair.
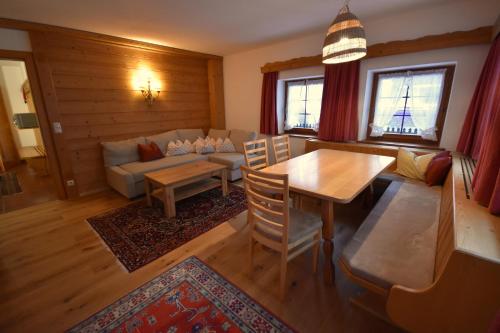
333,175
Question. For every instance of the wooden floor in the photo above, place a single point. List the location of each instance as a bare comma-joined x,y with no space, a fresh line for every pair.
35,189
55,271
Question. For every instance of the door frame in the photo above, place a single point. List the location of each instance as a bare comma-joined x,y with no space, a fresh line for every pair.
43,119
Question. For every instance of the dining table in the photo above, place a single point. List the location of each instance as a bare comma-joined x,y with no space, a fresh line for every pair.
332,176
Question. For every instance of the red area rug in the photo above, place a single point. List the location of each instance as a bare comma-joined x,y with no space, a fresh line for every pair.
138,234
189,297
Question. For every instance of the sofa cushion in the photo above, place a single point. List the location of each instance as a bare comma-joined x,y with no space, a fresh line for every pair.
163,139
149,152
231,160
191,134
396,244
138,169
238,136
121,152
218,133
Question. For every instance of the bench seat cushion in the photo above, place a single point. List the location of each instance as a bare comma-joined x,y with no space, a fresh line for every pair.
138,169
396,244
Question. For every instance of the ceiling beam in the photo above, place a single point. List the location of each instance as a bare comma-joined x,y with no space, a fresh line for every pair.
33,26
480,35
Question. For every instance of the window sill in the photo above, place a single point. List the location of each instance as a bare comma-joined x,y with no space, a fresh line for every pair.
402,144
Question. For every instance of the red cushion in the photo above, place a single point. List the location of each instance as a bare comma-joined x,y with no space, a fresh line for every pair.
149,152
445,153
437,171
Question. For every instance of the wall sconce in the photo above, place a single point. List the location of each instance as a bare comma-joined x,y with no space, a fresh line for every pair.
150,95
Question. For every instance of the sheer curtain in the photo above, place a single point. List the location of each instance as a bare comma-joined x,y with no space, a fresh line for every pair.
389,94
314,95
426,91
295,103
297,94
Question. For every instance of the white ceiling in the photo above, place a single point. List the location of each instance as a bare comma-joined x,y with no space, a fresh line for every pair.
212,26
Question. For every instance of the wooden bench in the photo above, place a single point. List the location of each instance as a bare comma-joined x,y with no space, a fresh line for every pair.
454,247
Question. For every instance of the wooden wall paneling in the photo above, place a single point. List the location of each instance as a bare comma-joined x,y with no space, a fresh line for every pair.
216,93
481,35
95,99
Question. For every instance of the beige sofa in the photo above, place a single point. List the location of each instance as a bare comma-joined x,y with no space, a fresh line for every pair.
125,172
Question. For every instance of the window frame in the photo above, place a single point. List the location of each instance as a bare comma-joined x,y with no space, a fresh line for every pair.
441,116
298,130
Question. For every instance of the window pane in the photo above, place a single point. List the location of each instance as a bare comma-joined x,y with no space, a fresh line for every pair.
408,103
303,103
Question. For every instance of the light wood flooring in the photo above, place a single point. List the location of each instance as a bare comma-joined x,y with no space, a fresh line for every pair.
55,271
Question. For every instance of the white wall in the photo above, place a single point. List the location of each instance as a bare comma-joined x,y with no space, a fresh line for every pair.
243,80
14,40
12,76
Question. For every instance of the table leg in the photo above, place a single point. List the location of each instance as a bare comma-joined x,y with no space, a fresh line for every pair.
148,192
224,182
169,202
368,197
328,231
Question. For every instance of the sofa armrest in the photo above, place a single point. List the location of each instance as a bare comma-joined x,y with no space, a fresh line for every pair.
121,180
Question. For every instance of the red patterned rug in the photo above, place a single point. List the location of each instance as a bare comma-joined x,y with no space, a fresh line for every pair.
189,297
138,234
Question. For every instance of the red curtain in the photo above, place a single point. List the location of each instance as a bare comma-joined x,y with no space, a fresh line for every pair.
479,113
486,181
268,116
339,106
481,131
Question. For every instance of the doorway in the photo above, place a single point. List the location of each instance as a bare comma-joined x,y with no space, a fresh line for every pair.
26,175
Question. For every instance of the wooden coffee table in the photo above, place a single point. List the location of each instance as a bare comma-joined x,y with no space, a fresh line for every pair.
183,181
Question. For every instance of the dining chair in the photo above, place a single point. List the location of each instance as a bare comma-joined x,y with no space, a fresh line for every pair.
281,148
274,224
256,157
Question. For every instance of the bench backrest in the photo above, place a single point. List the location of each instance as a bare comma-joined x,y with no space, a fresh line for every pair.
446,234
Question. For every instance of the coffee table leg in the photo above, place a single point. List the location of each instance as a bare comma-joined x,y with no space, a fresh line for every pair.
224,182
169,202
328,231
148,191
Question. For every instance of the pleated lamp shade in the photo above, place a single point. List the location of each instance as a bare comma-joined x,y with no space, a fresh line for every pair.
345,40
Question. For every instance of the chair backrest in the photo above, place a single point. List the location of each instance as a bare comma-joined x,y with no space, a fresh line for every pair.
268,202
256,154
281,147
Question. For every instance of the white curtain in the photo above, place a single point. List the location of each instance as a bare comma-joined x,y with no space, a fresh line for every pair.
426,92
295,103
389,94
314,95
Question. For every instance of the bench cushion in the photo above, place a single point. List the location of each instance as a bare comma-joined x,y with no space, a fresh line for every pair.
396,244
138,169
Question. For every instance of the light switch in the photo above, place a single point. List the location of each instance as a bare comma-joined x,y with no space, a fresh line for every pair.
57,127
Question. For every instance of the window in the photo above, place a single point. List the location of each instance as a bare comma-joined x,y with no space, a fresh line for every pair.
303,105
410,106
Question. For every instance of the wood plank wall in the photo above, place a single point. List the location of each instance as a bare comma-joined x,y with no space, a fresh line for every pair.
88,86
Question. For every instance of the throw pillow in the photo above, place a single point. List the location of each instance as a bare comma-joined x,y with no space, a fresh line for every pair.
438,170
176,148
204,146
149,152
190,148
224,146
411,165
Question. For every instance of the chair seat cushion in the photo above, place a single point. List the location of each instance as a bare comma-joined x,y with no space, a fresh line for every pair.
138,169
301,224
396,244
231,160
